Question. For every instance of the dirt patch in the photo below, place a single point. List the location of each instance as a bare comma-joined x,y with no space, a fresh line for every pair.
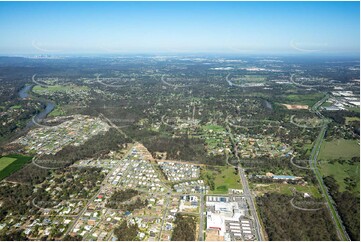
161,155
292,107
146,154
212,235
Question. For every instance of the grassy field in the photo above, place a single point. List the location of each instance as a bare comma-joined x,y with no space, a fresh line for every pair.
303,99
210,135
16,107
214,128
286,189
342,171
5,161
339,148
354,109
224,178
252,78
11,163
58,88
58,111
350,119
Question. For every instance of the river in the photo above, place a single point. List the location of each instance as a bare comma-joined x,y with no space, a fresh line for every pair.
24,93
268,104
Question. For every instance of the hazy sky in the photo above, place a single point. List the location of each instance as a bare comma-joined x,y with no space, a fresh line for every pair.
232,27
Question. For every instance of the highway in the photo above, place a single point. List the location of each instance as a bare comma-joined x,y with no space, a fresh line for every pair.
340,229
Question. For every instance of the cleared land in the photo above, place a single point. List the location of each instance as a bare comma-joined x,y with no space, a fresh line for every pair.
342,173
58,111
224,178
351,119
10,164
339,148
286,189
293,106
303,99
249,78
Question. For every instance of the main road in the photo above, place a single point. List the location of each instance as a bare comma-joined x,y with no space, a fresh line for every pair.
201,217
340,229
246,191
248,195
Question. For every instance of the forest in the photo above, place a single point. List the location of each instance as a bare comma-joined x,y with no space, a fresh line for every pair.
126,232
185,228
348,206
122,199
97,146
277,166
276,211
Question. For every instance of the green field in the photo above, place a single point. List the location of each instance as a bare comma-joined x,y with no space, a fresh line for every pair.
339,148
254,78
327,104
5,161
224,178
212,136
350,119
213,127
249,79
303,99
16,107
342,171
58,111
11,163
354,109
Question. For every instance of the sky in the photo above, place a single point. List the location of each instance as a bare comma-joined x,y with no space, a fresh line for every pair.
179,27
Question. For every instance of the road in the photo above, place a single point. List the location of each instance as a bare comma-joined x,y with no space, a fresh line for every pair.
164,215
246,191
301,85
201,218
231,83
104,184
113,125
171,85
340,229
248,195
305,126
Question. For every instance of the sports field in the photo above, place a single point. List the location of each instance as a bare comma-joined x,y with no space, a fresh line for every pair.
11,163
5,161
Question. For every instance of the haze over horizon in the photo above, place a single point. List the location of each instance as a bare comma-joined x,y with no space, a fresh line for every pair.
319,28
